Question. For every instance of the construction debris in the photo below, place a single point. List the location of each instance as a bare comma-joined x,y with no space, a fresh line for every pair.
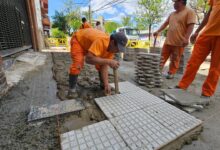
148,70
185,100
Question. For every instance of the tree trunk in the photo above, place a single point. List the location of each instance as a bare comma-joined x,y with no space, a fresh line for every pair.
149,32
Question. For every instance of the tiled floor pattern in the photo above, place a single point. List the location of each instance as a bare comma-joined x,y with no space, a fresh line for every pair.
138,120
99,136
119,104
126,87
141,131
177,121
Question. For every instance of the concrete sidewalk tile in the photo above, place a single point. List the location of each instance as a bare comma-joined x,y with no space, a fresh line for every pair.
140,131
98,136
174,119
119,104
63,107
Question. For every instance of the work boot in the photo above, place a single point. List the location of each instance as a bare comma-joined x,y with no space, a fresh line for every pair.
72,93
170,76
101,81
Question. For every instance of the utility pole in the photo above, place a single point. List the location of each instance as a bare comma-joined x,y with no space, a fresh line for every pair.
90,12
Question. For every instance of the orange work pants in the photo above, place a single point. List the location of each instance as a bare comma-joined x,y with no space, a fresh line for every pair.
175,53
77,55
203,46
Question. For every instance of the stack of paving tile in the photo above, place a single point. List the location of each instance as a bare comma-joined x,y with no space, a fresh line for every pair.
148,70
129,54
156,50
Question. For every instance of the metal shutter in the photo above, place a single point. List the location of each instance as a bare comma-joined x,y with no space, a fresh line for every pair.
14,24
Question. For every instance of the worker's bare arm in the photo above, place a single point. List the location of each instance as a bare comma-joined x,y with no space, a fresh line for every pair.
164,25
104,73
188,33
202,25
92,59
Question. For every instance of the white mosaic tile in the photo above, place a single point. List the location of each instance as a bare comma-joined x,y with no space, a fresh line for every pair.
116,105
125,87
140,131
176,120
99,136
119,104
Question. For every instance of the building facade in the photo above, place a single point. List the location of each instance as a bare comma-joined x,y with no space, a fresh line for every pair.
23,25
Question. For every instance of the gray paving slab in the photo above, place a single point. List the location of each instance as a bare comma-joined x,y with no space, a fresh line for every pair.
174,119
119,104
41,112
141,131
99,136
185,98
125,87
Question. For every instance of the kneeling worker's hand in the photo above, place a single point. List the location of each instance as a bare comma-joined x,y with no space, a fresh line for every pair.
114,64
107,89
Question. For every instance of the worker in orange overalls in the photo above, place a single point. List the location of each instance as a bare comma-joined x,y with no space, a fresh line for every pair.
85,24
208,41
181,23
99,49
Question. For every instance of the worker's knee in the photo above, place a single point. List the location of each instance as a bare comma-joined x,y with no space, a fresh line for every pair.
76,67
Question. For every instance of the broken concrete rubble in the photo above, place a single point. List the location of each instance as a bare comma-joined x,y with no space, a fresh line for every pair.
185,100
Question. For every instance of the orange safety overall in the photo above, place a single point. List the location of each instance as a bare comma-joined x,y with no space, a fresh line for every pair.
88,40
207,42
175,53
173,46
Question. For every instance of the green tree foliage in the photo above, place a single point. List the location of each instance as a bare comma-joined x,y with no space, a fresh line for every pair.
59,21
56,33
126,21
69,19
111,26
74,20
150,12
200,7
73,15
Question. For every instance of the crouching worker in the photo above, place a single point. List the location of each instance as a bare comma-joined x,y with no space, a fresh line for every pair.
98,48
